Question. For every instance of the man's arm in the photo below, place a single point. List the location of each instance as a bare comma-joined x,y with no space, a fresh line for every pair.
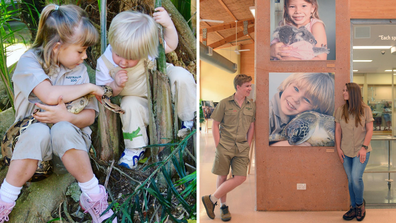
216,132
250,133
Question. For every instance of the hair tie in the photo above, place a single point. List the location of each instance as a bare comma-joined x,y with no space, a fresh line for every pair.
56,7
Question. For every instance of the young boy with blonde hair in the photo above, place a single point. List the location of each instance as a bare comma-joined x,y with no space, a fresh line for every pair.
298,93
133,38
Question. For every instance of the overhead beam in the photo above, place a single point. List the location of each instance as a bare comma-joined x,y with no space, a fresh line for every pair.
227,26
230,38
227,9
215,32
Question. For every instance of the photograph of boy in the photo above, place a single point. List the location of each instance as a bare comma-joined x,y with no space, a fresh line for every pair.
299,33
301,109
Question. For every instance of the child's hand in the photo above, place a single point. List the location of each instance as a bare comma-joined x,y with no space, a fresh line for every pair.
276,50
162,17
121,78
52,113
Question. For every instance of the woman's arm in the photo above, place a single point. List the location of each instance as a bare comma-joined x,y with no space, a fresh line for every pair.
49,94
338,134
366,142
319,32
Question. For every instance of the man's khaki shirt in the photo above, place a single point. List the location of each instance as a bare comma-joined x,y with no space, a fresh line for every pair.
352,137
234,122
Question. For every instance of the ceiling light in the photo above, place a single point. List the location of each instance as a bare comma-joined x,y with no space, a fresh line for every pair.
355,70
209,20
362,61
371,47
389,70
253,10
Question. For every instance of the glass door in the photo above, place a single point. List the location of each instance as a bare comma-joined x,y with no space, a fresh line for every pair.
373,61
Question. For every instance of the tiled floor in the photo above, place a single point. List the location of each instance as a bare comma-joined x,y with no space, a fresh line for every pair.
241,201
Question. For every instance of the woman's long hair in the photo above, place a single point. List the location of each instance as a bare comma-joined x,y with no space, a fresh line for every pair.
354,105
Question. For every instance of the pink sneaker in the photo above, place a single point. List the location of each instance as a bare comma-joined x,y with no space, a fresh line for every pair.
95,205
5,210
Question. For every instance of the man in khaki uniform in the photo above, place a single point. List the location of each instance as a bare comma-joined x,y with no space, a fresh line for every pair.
235,116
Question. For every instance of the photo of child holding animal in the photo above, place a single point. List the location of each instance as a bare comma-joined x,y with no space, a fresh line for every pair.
298,33
301,109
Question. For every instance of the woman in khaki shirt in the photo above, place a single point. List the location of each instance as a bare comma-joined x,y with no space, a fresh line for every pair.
354,129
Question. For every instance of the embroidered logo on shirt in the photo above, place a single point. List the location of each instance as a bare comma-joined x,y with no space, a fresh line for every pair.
73,78
248,108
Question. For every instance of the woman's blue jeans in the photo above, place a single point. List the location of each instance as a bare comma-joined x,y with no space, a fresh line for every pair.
354,170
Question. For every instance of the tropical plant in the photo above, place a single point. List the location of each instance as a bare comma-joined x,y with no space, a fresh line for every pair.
152,202
11,34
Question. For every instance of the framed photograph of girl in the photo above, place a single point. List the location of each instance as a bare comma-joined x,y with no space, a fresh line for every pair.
301,107
302,30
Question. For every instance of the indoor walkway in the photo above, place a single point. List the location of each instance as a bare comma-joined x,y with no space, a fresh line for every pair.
242,200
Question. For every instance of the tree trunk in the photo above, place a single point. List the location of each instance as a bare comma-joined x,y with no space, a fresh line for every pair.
159,100
109,133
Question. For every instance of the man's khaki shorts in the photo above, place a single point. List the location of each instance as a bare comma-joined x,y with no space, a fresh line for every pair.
230,157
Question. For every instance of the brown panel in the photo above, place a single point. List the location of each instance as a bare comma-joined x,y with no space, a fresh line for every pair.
279,169
369,9
247,60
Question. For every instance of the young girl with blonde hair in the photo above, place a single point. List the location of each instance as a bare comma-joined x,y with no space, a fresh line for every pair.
48,75
354,129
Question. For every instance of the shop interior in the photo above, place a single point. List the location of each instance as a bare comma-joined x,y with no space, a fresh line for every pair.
374,69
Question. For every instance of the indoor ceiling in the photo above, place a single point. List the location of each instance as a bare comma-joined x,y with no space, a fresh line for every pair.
375,36
220,35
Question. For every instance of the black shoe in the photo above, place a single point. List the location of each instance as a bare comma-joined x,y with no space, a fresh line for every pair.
225,213
349,215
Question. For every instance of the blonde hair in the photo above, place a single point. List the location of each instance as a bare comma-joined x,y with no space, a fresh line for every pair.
286,16
318,86
241,79
134,35
62,25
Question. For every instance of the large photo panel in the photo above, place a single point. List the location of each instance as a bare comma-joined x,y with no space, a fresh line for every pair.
303,30
301,107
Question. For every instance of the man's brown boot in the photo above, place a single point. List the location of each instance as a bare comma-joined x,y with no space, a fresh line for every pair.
361,211
351,214
209,206
225,213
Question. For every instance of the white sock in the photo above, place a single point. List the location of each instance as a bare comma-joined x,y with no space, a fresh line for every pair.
213,199
91,186
133,152
9,193
188,124
222,204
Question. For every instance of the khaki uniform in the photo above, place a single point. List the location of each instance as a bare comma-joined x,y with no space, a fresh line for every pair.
233,148
352,137
134,100
277,119
39,141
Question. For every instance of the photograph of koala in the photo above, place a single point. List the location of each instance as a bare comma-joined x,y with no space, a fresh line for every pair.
301,107
302,30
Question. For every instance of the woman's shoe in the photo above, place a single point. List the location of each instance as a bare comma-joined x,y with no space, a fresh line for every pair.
349,215
361,211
